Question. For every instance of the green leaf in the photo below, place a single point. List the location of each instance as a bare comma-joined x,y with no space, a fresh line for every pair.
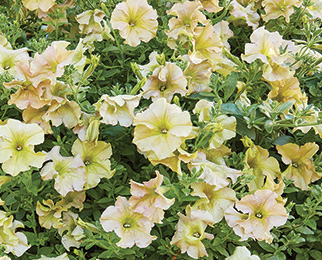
229,85
243,130
304,230
230,108
267,247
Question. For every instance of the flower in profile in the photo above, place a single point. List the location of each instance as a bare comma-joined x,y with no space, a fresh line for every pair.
15,243
131,227
43,5
4,42
277,8
148,198
301,168
213,200
90,21
68,172
136,21
161,129
260,213
242,253
17,141
96,160
33,115
165,81
241,14
118,109
190,230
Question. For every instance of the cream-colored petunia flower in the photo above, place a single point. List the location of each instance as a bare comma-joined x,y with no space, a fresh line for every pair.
161,129
90,21
118,109
43,5
133,228
4,42
190,230
17,141
213,200
301,168
136,21
211,6
242,253
241,14
315,9
96,160
277,8
148,198
68,172
165,81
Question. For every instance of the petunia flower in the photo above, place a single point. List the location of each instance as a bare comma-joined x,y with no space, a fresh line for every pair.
211,6
165,81
315,9
260,213
118,109
32,115
95,157
241,14
17,141
242,253
136,21
68,172
161,129
90,21
301,168
4,42
277,8
133,228
43,5
190,230
213,200
148,198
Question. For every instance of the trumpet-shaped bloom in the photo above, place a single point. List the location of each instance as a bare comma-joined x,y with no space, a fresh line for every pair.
131,227
118,109
165,82
43,5
136,21
277,8
213,200
260,213
148,199
242,253
95,157
301,168
161,129
15,243
68,172
190,230
17,141
90,21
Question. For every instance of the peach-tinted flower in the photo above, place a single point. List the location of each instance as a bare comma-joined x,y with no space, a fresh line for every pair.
277,8
17,141
301,168
136,21
43,5
188,16
68,172
211,6
261,212
32,115
242,253
118,109
148,198
90,21
213,200
95,157
165,82
246,14
161,129
190,230
131,227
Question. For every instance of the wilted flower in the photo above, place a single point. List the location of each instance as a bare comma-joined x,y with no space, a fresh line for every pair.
213,200
136,21
131,227
301,168
190,230
261,212
161,129
68,172
242,253
148,199
32,115
118,109
74,199
165,82
17,141
95,157
43,5
277,8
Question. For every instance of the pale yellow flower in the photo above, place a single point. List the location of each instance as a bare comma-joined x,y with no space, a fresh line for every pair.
165,82
161,129
17,141
133,228
135,20
315,9
277,8
148,198
222,29
242,253
43,5
241,14
4,42
211,6
90,21
118,109
190,230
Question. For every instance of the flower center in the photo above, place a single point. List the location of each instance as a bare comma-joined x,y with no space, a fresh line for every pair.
126,225
258,215
164,131
163,88
6,67
18,147
295,165
196,235
86,163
